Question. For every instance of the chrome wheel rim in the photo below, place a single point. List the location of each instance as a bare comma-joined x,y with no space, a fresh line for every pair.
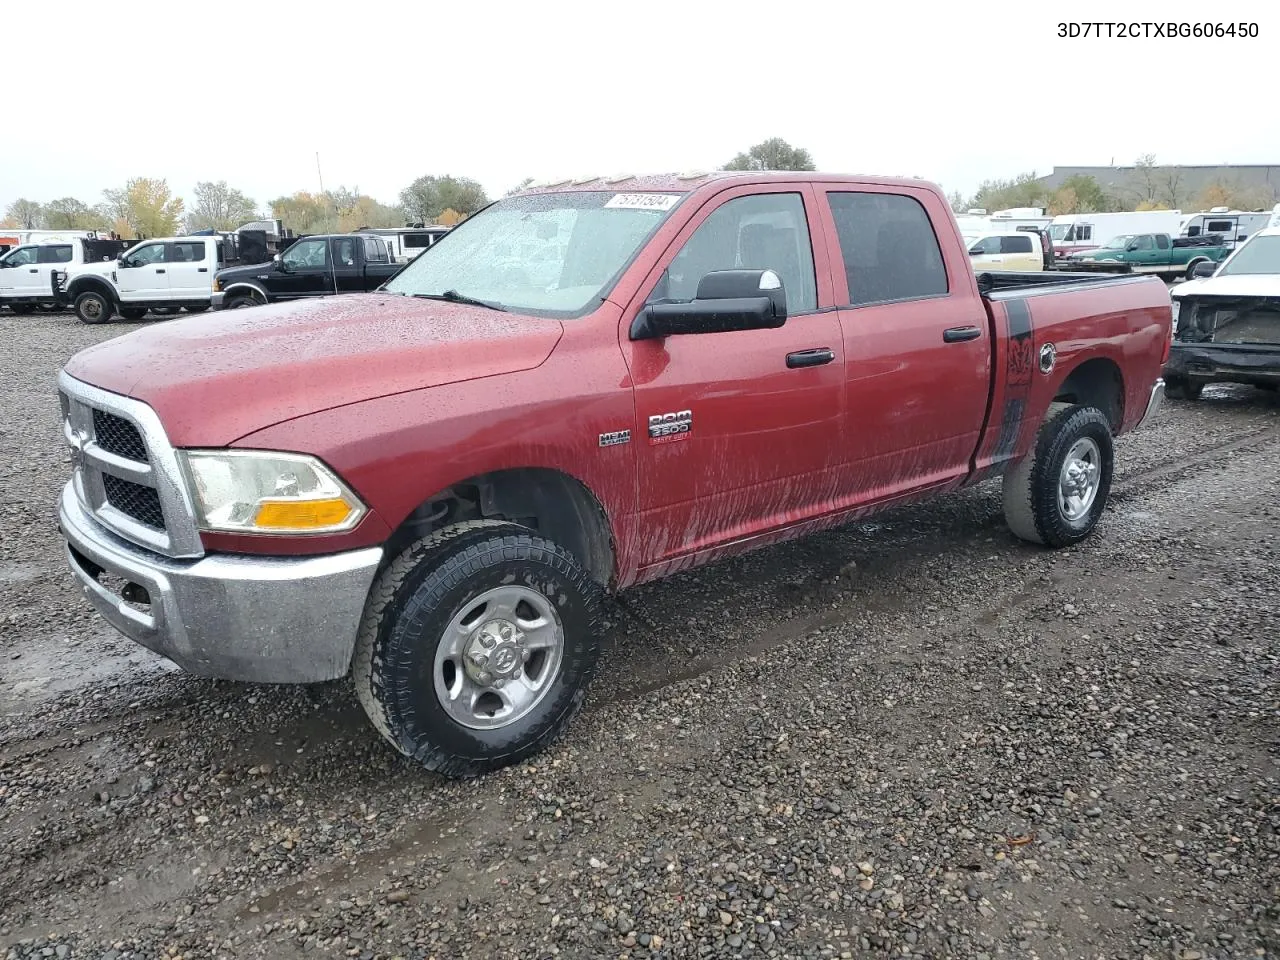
1079,480
498,658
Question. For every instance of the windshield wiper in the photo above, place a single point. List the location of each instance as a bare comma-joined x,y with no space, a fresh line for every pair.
453,296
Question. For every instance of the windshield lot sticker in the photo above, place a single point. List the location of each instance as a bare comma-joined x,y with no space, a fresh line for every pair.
643,201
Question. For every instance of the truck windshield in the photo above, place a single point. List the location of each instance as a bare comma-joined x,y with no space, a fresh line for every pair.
1260,255
1058,231
1118,243
550,254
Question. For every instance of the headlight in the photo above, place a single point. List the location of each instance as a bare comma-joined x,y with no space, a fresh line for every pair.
250,491
217,284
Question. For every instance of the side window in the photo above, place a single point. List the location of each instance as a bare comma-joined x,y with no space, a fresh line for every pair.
1015,244
186,252
415,240
1219,226
1084,231
146,254
1193,231
767,231
1162,241
985,246
305,253
21,256
58,253
1145,242
889,248
344,252
374,250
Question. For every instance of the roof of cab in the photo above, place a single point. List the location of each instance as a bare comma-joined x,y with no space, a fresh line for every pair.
688,182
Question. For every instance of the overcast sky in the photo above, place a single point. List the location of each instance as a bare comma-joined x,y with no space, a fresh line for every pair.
386,91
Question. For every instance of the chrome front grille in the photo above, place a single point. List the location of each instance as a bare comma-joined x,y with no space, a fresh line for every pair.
125,473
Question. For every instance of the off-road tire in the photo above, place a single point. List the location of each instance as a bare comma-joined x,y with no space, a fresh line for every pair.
1176,388
93,307
411,602
1030,489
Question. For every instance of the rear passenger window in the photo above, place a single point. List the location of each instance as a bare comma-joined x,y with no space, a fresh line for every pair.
1015,245
1162,241
186,252
56,254
764,232
374,251
889,248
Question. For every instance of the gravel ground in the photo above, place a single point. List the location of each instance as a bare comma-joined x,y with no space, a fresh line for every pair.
913,737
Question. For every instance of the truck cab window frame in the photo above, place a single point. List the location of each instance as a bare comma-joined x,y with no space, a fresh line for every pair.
888,247
146,255
54,253
293,258
756,231
22,256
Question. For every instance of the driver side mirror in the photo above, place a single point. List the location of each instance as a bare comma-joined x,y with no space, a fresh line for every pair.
1205,268
726,301
278,260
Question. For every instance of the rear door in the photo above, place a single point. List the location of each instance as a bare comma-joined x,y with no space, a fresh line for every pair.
916,338
377,262
50,257
144,275
191,270
348,273
1021,253
760,411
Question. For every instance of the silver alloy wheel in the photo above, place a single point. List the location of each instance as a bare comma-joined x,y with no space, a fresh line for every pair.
1079,480
498,658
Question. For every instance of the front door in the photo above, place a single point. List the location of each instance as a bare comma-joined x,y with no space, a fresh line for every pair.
917,341
736,433
144,275
305,270
20,273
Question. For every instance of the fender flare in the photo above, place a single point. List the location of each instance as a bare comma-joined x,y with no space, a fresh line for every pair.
243,286
79,285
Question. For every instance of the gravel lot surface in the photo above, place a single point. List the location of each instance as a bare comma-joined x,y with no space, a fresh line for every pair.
913,737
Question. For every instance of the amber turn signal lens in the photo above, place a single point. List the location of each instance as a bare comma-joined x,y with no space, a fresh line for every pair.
301,514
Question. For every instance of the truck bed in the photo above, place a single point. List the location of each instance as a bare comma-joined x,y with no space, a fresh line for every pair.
1002,282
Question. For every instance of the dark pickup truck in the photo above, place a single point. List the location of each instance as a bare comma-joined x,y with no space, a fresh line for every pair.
314,266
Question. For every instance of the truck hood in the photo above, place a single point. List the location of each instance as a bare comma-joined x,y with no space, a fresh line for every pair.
1254,285
256,271
214,378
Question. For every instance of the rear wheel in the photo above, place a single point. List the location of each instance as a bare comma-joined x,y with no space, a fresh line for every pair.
1178,388
93,307
197,308
477,646
1056,494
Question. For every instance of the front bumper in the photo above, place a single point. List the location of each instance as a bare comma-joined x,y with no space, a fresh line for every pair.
262,619
217,300
1223,363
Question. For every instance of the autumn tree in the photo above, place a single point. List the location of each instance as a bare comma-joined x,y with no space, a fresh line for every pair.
1079,193
1024,190
335,211
428,197
1223,193
144,206
26,214
219,207
772,154
68,213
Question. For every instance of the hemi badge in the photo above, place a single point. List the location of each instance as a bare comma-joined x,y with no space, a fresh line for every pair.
615,438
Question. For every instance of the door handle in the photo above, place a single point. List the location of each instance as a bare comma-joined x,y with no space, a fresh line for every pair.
34,270
810,358
960,334
158,270
202,269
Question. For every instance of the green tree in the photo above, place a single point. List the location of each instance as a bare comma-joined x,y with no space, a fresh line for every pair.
957,201
24,213
219,207
772,154
1024,190
144,206
429,196
68,213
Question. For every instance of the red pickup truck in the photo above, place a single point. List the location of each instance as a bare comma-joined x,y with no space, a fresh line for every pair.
582,387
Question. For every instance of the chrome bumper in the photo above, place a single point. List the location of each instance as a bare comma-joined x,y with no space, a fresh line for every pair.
263,619
1153,404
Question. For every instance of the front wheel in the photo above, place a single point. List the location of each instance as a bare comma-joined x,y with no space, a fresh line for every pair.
1056,494
93,307
477,646
240,302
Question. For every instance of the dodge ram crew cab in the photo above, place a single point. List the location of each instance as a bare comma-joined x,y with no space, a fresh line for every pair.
431,487
312,267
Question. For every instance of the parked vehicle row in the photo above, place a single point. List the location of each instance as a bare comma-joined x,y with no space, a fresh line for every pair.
585,388
313,266
1158,253
26,271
